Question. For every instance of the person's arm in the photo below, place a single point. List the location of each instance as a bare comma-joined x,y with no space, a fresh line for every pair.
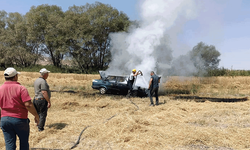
137,73
46,96
159,80
30,107
150,82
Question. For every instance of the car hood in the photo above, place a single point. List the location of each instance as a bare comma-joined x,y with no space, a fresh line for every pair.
103,74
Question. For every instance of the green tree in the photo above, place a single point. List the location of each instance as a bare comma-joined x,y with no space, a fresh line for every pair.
205,57
3,16
14,47
93,23
104,20
21,52
43,30
77,32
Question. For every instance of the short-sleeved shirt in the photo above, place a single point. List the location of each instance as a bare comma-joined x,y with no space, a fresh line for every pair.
12,98
41,85
155,82
131,77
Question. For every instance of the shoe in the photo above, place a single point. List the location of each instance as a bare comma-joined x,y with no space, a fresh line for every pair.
157,104
40,130
151,105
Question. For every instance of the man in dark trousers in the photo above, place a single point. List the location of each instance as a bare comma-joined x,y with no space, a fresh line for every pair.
15,103
42,97
154,87
131,81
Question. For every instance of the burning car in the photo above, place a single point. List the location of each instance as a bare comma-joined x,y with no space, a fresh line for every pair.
116,84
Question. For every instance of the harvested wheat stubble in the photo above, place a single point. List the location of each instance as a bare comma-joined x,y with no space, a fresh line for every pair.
174,124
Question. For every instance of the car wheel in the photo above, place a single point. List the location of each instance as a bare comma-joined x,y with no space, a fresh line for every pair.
102,90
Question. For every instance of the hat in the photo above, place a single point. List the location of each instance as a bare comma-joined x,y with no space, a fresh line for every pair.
10,72
134,70
44,70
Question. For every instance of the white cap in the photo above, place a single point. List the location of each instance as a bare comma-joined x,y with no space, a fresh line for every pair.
10,72
44,70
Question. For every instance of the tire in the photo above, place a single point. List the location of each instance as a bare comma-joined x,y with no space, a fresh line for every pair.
103,90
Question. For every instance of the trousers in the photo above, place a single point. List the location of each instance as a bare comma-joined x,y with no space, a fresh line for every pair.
151,93
41,106
13,127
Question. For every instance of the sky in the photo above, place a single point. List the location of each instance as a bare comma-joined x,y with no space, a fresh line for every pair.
222,23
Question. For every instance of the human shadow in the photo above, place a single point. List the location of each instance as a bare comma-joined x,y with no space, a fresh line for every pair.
57,126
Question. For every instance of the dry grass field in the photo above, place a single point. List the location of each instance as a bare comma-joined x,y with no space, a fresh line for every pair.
180,122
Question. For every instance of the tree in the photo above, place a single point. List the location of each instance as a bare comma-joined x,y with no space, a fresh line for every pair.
14,47
77,30
104,20
43,30
93,23
205,57
3,60
20,50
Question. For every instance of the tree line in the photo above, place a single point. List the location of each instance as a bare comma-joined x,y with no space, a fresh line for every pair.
81,33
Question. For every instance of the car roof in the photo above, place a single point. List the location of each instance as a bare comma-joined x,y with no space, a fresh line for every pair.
117,76
104,75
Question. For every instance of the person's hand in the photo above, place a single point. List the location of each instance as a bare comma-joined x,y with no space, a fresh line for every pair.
36,120
49,105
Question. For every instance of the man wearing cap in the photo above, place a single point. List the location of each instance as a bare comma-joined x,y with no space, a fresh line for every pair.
131,80
42,97
15,103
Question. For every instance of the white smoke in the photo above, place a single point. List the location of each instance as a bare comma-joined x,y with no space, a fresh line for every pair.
147,48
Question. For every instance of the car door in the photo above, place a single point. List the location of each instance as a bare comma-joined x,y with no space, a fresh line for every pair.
110,83
122,84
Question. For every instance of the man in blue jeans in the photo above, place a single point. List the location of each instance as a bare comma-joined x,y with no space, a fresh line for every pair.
15,103
154,87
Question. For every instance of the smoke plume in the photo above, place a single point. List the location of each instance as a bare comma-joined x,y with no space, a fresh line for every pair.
147,48
156,45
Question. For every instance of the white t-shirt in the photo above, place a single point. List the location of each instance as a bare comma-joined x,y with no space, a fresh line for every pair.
131,77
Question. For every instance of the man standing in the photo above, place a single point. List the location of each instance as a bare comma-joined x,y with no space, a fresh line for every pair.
154,87
15,103
131,81
42,97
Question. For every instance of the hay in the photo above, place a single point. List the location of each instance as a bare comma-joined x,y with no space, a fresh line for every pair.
115,122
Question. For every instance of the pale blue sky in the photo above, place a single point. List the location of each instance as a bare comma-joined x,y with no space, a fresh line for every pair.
23,6
226,25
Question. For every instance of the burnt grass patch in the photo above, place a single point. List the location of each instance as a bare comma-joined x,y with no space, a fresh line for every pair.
211,99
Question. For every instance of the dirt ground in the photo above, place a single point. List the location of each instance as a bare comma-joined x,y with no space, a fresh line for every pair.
115,122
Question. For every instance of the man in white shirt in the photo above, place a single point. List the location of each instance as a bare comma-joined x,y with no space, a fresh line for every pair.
131,80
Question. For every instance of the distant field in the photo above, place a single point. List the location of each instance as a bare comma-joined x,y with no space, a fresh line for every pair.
115,122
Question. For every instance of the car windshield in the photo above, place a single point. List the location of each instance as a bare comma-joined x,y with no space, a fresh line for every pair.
111,79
